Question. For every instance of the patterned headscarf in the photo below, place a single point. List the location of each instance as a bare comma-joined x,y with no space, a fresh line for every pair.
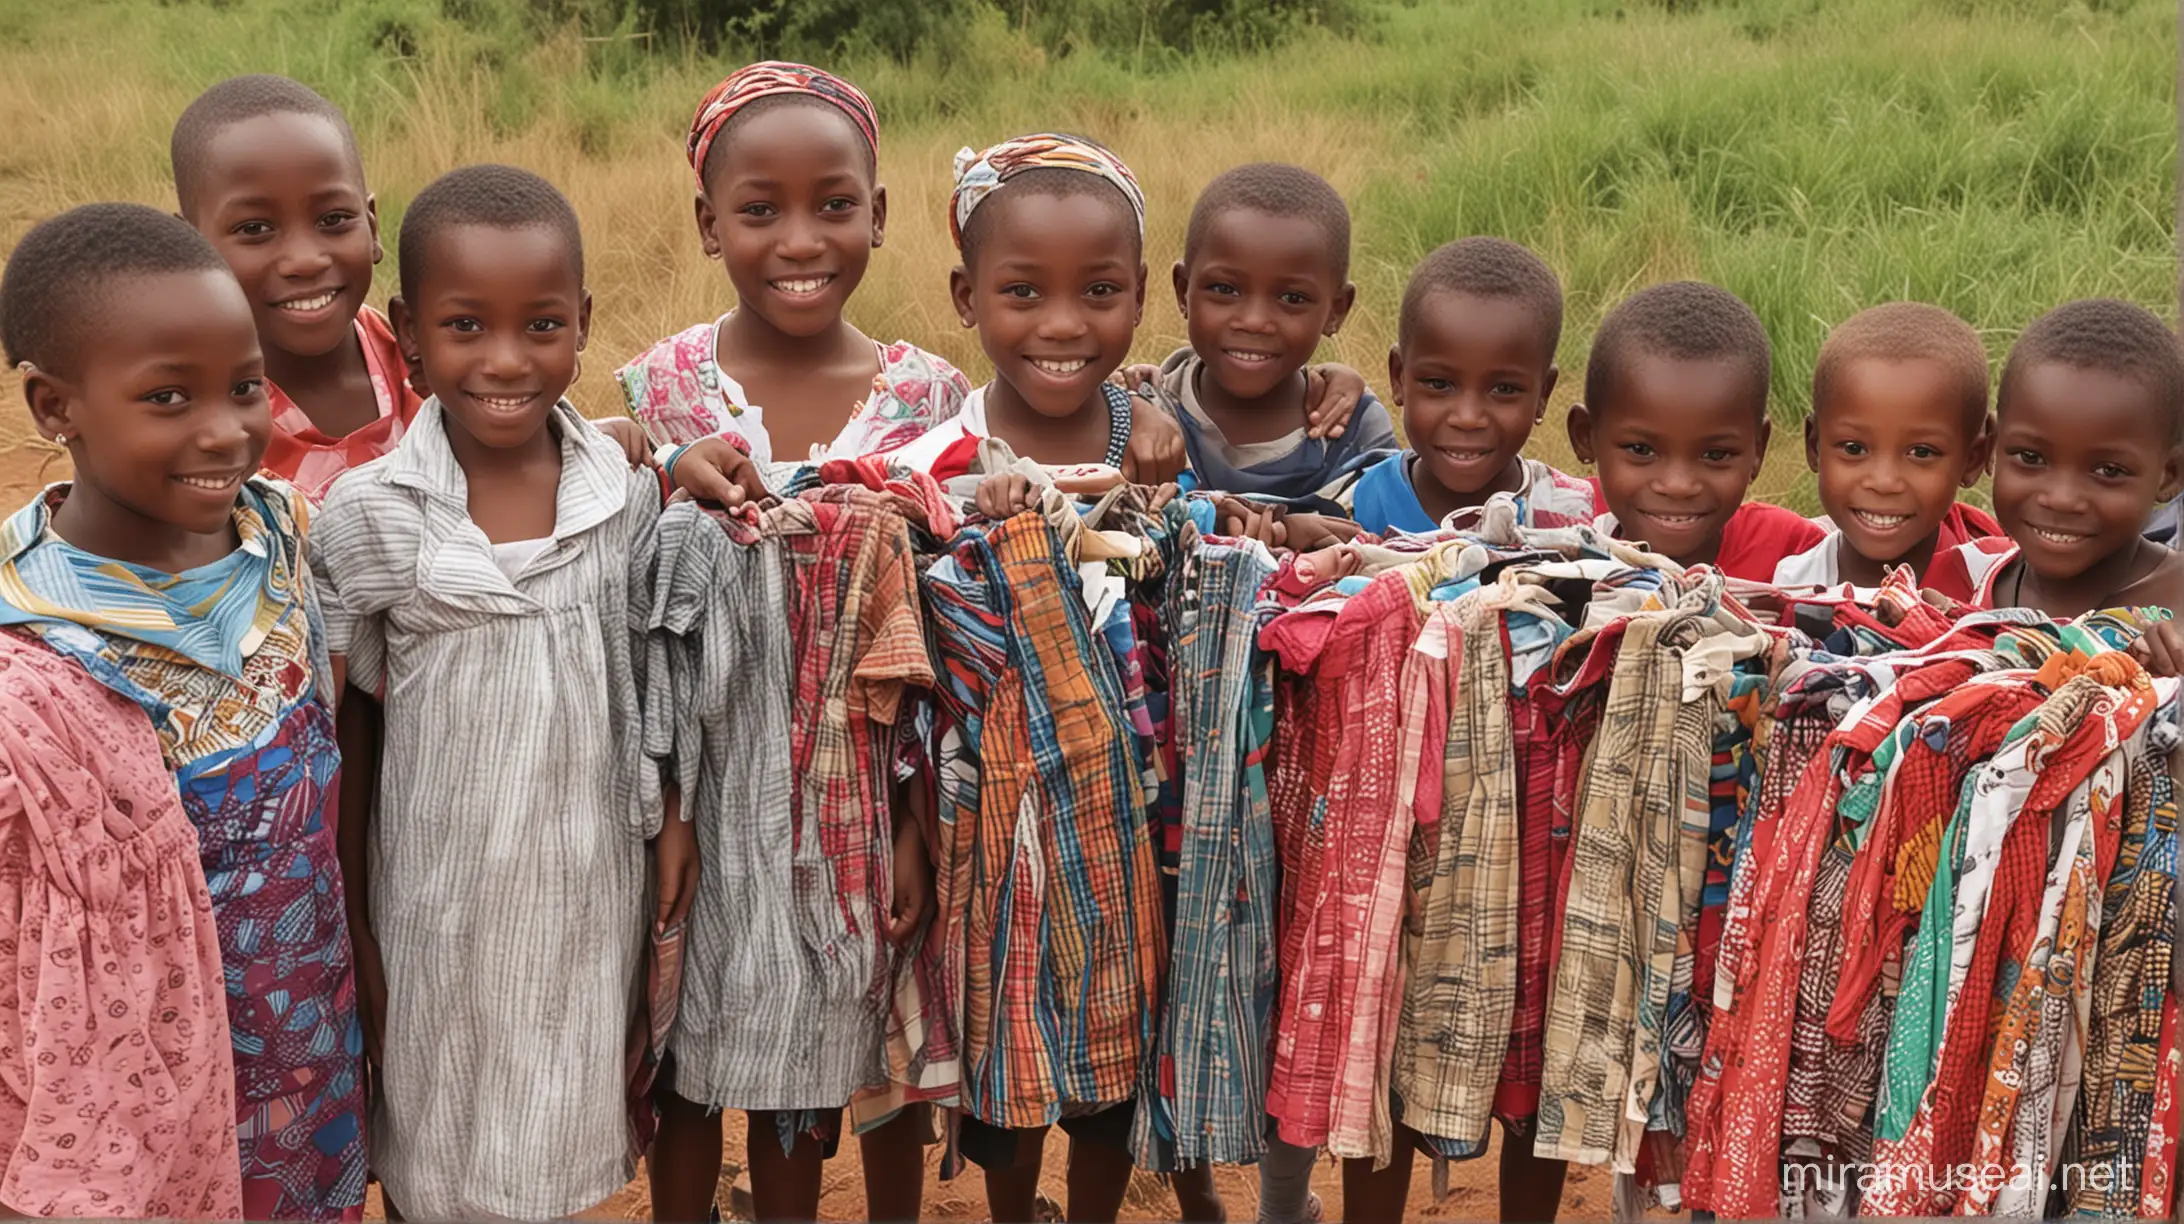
978,175
771,78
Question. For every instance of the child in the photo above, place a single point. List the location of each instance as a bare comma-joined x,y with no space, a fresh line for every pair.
1898,425
1264,275
1675,414
489,571
788,200
170,575
1472,368
268,171
790,203
2088,423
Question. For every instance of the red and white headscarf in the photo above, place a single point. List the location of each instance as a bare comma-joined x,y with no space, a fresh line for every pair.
772,78
978,175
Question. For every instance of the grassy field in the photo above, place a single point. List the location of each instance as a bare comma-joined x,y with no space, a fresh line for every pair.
1996,157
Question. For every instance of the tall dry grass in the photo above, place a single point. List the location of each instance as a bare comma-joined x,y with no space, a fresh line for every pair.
1994,157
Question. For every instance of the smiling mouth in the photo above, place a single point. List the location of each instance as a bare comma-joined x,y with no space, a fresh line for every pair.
1247,357
213,484
2060,539
305,305
801,286
1059,369
504,403
1880,522
1676,520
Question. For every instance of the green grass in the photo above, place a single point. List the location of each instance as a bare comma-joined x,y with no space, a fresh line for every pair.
1994,157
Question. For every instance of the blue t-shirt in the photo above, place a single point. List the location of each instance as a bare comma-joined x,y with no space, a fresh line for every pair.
1384,501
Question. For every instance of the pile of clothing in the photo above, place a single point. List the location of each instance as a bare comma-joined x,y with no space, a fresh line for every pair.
1710,885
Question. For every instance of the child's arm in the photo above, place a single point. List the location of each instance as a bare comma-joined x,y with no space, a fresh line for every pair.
1331,394
714,470
359,724
2161,649
1156,453
1003,494
913,865
675,862
635,445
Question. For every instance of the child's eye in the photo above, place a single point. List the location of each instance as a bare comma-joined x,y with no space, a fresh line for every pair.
1718,455
1506,390
249,388
252,229
464,324
1855,450
167,397
547,325
2030,458
1924,453
838,204
1439,386
1294,298
1020,291
1223,288
757,209
1102,289
1637,450
335,220
2111,471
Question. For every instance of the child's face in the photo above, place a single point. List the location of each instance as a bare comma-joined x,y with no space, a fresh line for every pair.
499,318
1261,293
1472,382
1056,295
1677,444
166,413
2080,460
283,199
1892,447
794,215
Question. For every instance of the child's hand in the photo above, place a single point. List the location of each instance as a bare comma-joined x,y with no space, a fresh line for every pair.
713,470
1312,532
675,867
631,435
1249,520
2161,650
1331,393
371,988
913,885
1003,494
1131,377
1156,453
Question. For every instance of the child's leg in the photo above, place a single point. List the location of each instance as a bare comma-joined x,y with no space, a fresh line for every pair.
894,1167
784,1185
684,1167
1531,1188
1379,1198
1010,1159
1099,1175
1285,1182
1196,1198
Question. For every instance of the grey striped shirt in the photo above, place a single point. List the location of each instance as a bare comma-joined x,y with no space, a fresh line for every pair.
508,870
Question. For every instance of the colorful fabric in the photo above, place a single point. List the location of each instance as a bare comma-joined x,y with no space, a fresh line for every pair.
1046,876
507,852
678,392
770,79
951,448
229,661
784,743
117,1076
1207,1101
1294,465
303,456
979,174
1378,494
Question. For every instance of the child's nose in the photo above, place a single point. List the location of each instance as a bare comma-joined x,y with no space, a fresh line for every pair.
301,257
1061,321
1679,480
801,241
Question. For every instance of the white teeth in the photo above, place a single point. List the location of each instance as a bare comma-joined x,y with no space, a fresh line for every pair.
214,483
506,403
1060,369
802,285
1676,520
2056,537
1247,358
1882,522
305,305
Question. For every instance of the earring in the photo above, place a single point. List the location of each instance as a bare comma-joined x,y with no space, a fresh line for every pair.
60,438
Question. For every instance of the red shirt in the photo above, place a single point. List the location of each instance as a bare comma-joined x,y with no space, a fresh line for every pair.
301,455
1755,540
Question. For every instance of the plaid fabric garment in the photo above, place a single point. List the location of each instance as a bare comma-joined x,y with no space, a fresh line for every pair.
1047,879
1207,1099
2124,1045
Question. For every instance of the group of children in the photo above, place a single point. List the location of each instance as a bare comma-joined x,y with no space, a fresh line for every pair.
296,522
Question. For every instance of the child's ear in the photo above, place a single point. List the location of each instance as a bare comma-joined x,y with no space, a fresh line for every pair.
1980,451
706,219
1579,425
1345,298
1812,443
879,215
1759,454
404,322
1546,393
583,322
1182,278
2172,475
1138,319
959,291
1395,374
48,398
371,220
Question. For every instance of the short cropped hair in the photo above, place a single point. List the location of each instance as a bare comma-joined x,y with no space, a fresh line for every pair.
1488,268
65,264
1906,331
501,197
2105,334
1054,182
1684,321
238,99
717,152
1278,190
